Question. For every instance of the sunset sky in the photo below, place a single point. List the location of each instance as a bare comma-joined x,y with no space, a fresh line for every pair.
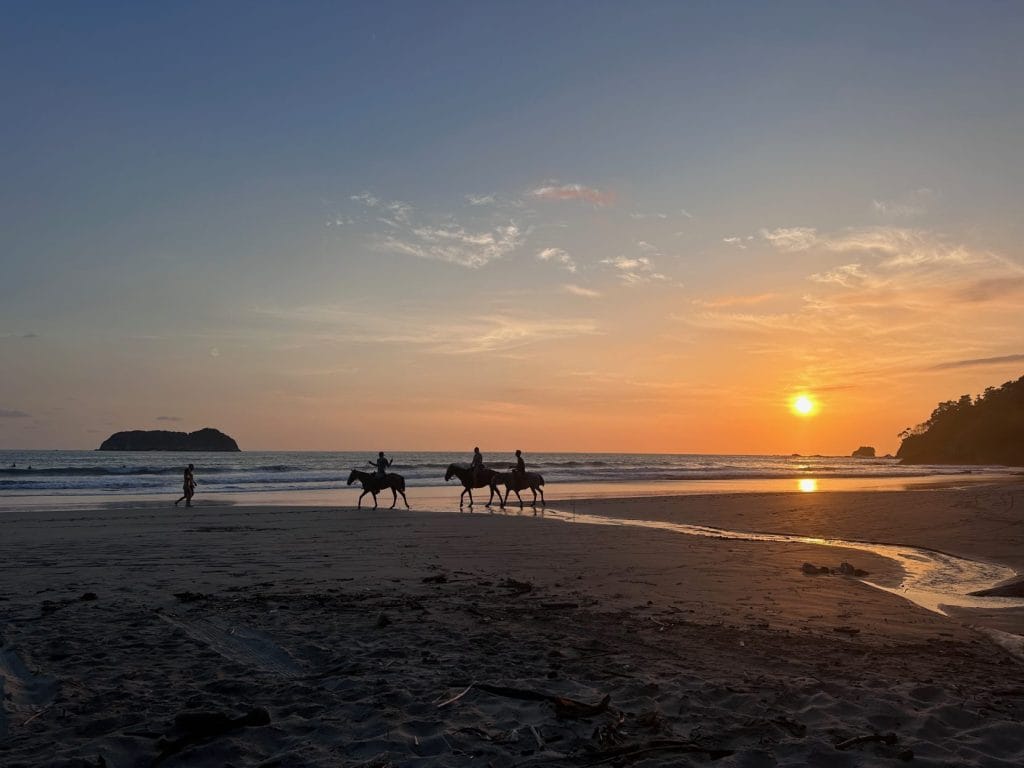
555,226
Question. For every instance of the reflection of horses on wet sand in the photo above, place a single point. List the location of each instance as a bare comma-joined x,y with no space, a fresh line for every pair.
465,475
373,484
516,481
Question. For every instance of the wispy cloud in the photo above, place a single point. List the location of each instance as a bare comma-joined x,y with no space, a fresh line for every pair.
579,290
900,247
501,331
559,256
914,203
990,289
978,362
168,418
791,238
735,301
392,211
634,269
660,215
442,238
8,413
555,191
455,244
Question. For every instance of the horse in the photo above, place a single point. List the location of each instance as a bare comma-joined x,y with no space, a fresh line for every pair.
374,484
465,475
517,481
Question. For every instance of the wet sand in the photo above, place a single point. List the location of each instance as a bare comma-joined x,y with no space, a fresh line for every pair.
343,634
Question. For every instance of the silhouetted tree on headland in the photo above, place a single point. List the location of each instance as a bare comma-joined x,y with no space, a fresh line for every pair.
986,430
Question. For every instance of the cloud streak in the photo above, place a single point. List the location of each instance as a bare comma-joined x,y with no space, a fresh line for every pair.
978,362
634,270
559,256
579,290
8,413
454,244
553,191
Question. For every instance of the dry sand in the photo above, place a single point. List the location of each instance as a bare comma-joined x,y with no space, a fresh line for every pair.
335,637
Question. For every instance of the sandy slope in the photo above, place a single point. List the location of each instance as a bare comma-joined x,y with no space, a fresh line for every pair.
323,619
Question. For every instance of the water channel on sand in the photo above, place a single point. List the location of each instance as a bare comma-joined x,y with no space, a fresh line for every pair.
934,580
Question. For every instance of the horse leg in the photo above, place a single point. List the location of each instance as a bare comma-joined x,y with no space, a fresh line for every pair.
506,497
374,499
543,503
520,498
534,504
360,504
394,499
470,492
404,499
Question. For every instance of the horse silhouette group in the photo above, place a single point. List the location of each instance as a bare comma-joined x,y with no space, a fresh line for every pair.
484,477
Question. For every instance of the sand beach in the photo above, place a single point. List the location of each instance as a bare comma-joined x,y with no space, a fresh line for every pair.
294,636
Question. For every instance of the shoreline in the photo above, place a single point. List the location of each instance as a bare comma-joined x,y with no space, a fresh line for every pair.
446,497
352,628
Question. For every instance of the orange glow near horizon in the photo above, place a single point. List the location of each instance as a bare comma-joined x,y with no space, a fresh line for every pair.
807,485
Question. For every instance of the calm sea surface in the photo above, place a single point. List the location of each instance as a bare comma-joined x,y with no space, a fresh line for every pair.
116,474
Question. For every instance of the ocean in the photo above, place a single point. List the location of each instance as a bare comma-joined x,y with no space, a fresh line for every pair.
116,474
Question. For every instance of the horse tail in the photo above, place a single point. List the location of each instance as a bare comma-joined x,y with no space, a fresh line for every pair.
540,479
400,486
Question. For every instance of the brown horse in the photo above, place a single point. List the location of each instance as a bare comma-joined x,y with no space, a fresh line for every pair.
465,475
516,481
373,484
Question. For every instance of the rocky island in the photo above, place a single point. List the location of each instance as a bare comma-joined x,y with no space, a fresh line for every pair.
864,452
206,439
988,429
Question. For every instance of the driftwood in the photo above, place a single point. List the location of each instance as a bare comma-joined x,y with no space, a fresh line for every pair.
564,707
637,751
455,698
867,738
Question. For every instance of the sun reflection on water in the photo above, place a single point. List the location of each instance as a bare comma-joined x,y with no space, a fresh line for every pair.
807,485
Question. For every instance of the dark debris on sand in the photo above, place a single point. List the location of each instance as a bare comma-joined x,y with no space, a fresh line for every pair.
486,671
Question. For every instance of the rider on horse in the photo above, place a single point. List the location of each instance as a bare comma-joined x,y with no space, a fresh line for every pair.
382,463
519,470
476,464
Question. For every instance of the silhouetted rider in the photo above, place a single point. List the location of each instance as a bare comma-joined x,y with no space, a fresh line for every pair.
476,464
382,465
519,470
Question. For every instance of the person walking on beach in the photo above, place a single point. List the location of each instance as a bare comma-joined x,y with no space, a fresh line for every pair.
476,464
382,463
188,486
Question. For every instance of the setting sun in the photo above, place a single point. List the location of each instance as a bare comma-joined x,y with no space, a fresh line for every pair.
803,405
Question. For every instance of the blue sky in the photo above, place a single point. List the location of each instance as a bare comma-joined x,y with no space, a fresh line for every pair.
214,210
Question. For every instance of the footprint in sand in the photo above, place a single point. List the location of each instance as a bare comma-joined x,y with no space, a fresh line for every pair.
239,644
21,692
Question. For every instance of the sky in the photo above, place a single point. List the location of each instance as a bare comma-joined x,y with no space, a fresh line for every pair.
586,226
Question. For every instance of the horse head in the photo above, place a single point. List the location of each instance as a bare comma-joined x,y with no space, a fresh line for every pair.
352,477
450,472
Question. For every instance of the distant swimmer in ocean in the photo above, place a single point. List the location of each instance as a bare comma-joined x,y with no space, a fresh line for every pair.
382,463
476,464
188,486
